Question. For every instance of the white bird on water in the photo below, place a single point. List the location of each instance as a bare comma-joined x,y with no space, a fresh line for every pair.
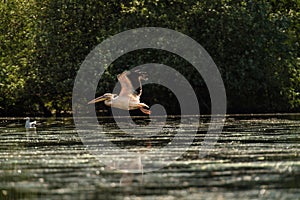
28,124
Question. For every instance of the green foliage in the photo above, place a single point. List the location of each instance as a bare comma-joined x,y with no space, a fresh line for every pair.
16,50
250,47
254,43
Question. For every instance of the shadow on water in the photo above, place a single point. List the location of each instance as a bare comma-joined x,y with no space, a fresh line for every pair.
256,157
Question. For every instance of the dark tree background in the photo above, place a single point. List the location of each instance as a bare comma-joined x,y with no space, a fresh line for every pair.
255,45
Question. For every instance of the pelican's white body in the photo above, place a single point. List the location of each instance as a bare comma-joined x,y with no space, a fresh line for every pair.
124,102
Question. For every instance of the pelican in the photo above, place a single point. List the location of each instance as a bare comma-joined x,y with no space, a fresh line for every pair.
28,124
127,99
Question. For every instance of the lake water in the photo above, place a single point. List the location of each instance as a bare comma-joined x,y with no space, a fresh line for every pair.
255,157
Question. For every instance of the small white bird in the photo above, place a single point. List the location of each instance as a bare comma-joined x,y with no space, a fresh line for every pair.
29,124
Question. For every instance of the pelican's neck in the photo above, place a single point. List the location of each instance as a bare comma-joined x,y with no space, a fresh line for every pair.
108,102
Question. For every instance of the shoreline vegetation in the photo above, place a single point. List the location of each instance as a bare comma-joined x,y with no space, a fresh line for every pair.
201,116
255,45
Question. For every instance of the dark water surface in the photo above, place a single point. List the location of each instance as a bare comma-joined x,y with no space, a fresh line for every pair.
256,157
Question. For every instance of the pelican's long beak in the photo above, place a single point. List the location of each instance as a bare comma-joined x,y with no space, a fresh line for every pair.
102,98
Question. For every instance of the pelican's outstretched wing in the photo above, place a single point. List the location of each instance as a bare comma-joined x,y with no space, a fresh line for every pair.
141,76
126,85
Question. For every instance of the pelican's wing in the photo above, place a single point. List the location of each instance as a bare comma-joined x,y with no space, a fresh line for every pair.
142,76
126,85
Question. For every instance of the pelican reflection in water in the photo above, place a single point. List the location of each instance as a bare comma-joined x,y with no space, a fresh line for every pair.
127,99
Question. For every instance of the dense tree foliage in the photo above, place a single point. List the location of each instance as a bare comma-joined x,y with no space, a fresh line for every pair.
254,43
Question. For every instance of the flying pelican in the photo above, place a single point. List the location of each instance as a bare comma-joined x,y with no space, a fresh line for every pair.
29,124
127,99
